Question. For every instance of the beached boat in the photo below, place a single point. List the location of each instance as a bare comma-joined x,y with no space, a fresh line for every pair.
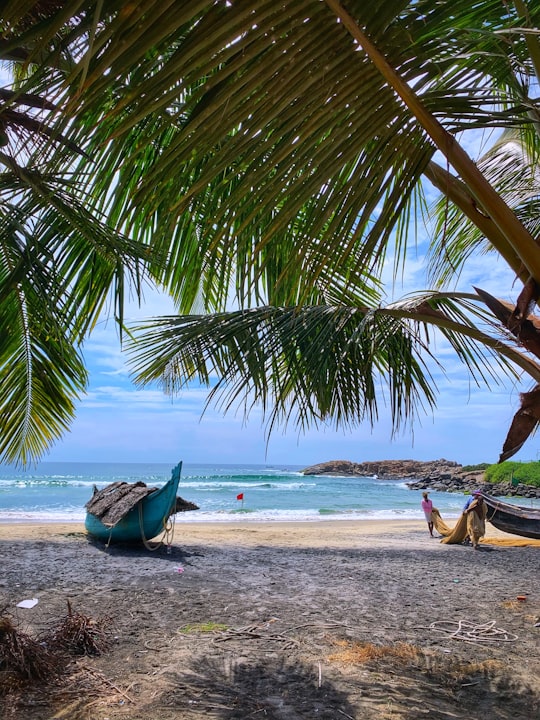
514,519
131,513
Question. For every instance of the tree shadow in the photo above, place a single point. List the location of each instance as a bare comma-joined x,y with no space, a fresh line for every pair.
271,688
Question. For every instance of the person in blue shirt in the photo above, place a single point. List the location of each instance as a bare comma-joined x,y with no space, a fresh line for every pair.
476,519
474,495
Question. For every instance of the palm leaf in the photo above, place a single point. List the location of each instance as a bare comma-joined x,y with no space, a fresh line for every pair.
511,167
41,372
267,154
321,362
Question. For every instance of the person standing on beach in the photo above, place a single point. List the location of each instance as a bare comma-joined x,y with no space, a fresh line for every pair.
476,513
427,507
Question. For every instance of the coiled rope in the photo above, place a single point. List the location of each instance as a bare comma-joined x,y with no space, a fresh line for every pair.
471,632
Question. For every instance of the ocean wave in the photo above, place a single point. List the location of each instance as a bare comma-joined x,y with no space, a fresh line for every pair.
52,482
303,515
241,484
236,478
41,516
270,495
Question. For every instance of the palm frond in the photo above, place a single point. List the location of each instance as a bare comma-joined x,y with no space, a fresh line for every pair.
322,363
86,257
41,372
264,154
511,167
305,365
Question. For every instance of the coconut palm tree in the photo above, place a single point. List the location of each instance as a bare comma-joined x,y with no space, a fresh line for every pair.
270,155
61,260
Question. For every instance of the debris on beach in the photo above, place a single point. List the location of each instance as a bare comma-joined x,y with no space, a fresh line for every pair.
80,634
28,658
39,671
24,657
362,652
32,602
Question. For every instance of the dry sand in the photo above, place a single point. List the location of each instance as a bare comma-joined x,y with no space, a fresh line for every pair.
280,621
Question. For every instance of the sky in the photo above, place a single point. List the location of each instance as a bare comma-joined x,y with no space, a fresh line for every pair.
117,421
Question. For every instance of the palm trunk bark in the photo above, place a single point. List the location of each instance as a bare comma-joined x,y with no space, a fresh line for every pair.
486,197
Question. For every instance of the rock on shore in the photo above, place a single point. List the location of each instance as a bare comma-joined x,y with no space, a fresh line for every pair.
385,468
442,475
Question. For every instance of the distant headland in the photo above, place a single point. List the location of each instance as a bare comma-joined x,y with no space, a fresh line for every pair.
416,469
443,475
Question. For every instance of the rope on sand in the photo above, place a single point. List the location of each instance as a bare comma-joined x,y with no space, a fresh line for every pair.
471,632
258,632
254,632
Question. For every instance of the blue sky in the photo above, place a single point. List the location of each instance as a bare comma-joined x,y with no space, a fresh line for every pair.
118,422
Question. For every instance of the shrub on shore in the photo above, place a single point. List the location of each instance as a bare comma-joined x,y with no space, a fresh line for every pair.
524,473
475,468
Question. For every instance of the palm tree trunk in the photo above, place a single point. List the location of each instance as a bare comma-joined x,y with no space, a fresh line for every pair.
486,197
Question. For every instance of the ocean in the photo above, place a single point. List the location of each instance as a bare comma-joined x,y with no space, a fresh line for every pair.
57,492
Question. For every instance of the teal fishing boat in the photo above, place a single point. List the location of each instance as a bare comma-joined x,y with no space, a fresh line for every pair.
132,512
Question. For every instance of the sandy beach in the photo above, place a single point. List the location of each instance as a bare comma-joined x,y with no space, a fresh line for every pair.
335,619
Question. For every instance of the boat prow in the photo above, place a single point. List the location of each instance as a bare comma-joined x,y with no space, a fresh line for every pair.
513,519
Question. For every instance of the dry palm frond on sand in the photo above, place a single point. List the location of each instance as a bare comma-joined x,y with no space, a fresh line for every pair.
25,657
357,653
79,634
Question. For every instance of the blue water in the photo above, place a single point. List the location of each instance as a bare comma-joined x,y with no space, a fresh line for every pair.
58,492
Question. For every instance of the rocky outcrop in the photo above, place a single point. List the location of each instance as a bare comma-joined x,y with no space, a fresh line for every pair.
442,475
467,482
401,469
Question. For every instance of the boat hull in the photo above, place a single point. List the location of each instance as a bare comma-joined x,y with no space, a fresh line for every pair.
144,521
513,519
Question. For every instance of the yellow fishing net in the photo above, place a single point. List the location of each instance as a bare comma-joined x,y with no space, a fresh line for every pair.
457,534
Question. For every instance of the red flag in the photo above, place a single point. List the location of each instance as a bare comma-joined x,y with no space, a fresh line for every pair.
240,497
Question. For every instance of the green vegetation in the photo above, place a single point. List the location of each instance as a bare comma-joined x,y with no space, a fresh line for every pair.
472,468
206,627
525,473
